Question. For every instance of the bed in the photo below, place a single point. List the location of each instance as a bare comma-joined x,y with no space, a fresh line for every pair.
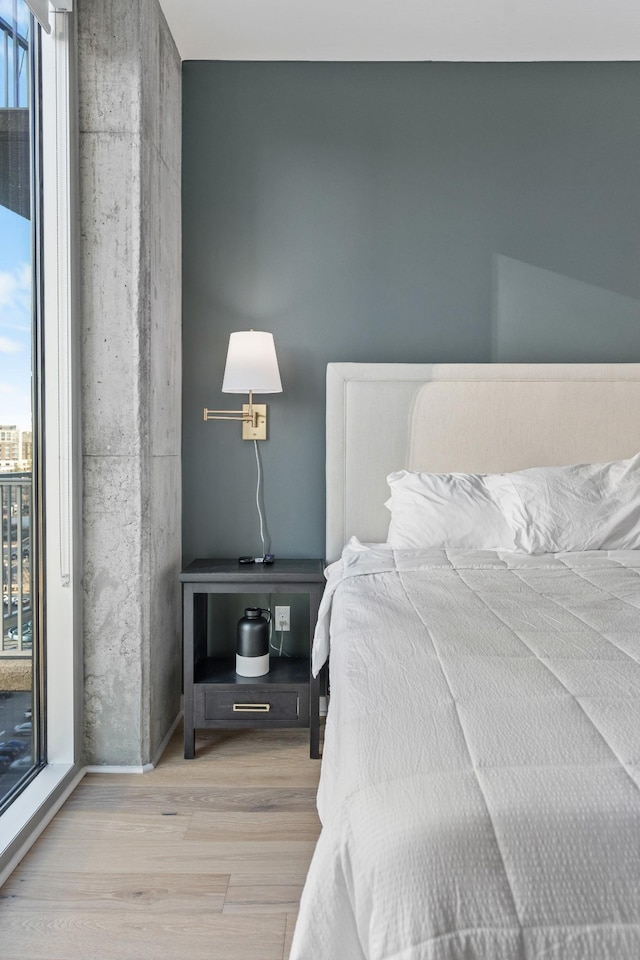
480,781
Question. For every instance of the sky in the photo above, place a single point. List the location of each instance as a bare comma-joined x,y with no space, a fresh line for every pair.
22,11
15,320
15,297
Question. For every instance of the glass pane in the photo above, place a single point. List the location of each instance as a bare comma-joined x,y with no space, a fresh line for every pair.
18,751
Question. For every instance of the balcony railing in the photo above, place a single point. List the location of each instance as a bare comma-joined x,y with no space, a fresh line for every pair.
15,575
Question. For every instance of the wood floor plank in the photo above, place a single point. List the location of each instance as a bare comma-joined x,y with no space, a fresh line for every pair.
264,879
96,935
82,824
263,892
278,773
267,898
299,825
220,744
115,892
191,796
278,758
271,768
178,856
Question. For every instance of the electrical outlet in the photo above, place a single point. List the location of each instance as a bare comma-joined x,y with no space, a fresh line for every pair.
283,618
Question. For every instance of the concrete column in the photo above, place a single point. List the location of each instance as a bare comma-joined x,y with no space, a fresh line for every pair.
130,149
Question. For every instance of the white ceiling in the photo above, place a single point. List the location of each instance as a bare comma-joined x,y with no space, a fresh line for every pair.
405,29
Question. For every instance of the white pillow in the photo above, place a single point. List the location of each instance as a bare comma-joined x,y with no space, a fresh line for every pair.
451,510
587,506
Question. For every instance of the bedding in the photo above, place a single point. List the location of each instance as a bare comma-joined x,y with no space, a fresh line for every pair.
453,510
585,506
480,785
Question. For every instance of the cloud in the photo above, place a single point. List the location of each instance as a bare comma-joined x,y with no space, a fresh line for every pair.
15,287
15,303
9,346
6,388
8,286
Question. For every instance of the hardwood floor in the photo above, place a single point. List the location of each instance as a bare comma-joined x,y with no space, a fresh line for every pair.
200,858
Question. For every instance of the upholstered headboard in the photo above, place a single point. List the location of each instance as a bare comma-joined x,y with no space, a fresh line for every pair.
476,418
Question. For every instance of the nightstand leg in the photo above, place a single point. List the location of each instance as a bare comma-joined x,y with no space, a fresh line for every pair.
314,718
190,599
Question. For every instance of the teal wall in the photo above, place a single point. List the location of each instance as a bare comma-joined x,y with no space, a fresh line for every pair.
390,212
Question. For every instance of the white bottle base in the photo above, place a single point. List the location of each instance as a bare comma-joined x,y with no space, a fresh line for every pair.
252,666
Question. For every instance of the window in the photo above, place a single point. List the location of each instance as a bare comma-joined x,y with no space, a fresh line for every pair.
39,450
21,714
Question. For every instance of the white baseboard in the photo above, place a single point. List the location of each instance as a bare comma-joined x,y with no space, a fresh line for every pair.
137,768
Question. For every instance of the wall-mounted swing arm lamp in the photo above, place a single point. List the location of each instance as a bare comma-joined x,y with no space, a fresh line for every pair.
251,367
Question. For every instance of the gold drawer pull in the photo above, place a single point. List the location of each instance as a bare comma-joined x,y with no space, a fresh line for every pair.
251,707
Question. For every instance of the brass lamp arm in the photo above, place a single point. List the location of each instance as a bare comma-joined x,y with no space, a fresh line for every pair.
225,415
248,414
253,417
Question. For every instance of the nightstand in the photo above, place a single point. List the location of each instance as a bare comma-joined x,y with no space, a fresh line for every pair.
215,696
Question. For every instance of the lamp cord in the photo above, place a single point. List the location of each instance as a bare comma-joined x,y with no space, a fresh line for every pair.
258,486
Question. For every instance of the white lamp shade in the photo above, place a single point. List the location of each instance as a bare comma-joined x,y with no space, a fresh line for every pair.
252,365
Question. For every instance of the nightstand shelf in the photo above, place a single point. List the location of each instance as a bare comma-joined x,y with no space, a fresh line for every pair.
215,696
223,670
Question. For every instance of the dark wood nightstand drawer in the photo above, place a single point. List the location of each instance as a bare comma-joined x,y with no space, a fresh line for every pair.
250,703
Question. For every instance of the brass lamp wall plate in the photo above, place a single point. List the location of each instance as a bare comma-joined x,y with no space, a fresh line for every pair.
259,430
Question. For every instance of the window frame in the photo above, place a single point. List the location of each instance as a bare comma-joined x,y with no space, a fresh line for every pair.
60,610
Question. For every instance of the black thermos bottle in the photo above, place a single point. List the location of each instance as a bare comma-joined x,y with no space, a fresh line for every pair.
252,647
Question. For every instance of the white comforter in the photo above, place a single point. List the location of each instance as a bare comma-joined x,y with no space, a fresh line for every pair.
480,788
